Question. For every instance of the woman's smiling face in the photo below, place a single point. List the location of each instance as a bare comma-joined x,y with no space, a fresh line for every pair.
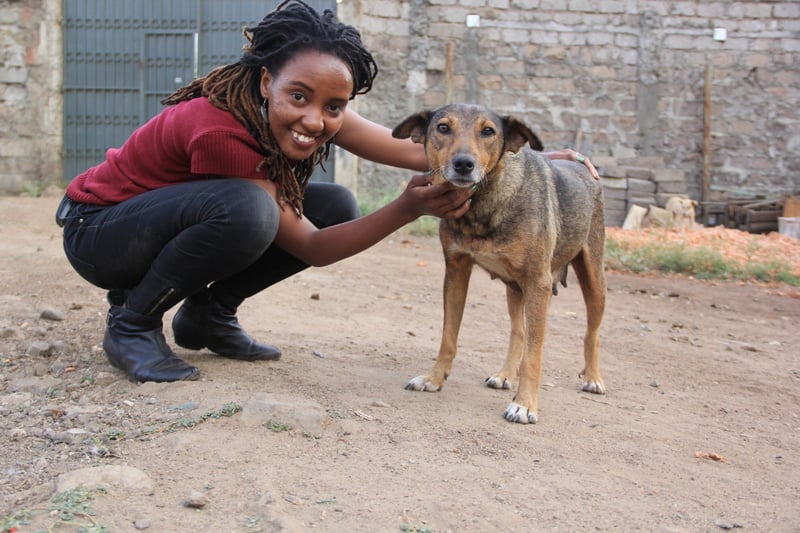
306,98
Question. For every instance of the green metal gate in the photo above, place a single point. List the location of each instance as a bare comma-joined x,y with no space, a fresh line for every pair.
122,57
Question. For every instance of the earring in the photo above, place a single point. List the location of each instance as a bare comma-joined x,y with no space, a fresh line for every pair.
264,110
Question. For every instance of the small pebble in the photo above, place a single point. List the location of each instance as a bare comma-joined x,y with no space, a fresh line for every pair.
196,500
48,313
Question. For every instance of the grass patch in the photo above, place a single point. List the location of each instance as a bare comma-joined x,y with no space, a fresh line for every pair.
74,503
701,262
424,226
227,410
13,522
277,426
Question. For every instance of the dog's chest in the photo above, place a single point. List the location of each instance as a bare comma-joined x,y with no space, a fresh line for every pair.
497,261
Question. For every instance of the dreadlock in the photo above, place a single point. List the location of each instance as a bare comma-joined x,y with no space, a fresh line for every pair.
291,28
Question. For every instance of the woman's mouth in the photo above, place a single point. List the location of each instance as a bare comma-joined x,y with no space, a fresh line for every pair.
305,139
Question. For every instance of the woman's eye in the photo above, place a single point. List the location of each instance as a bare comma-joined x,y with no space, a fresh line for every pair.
298,97
443,128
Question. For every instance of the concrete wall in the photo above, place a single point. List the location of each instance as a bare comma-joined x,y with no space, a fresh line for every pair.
624,77
621,77
30,95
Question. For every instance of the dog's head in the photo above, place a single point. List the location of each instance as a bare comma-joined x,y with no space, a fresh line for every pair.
463,142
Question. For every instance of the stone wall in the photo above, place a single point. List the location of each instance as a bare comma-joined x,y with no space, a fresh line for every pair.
30,95
614,78
617,79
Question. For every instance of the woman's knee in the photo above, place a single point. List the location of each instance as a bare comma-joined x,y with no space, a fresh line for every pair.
326,204
251,212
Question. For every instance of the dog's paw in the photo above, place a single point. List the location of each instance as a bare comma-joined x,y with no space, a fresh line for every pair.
520,414
422,383
496,382
595,387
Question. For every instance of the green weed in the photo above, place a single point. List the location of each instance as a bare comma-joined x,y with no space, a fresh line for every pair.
700,262
277,426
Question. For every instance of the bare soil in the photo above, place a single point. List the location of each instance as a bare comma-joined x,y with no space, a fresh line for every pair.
699,431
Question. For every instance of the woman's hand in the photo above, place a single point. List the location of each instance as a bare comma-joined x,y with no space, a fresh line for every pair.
443,200
572,155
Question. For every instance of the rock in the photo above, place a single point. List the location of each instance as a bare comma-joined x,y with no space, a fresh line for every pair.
34,385
38,348
16,399
104,379
124,477
48,313
196,500
724,524
17,434
70,436
299,413
141,524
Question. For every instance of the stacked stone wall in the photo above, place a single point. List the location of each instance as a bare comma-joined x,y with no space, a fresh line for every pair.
613,78
617,79
30,95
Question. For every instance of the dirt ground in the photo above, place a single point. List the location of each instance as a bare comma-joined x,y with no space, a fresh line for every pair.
699,431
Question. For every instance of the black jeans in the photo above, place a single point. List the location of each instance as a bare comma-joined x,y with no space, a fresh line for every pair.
169,243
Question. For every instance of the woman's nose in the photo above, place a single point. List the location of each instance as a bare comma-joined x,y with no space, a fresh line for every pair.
313,121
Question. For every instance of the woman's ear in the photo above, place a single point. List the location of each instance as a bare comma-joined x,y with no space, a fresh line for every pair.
266,79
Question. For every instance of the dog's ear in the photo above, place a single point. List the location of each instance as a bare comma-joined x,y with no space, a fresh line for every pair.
415,126
517,134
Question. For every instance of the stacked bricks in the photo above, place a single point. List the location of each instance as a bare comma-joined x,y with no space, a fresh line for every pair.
637,181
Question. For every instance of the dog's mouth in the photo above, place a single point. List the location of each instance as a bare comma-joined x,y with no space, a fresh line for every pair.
462,183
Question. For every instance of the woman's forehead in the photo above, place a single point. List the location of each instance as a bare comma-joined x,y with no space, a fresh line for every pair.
313,67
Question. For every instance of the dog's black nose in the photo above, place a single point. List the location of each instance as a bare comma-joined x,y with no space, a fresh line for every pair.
463,165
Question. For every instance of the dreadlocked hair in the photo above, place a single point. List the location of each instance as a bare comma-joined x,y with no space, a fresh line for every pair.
291,28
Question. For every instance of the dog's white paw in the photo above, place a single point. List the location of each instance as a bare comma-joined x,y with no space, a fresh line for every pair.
594,387
495,382
517,413
422,383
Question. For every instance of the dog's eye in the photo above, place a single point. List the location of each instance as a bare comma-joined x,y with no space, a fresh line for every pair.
443,128
488,131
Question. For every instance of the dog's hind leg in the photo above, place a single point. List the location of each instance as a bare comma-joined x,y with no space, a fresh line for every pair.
458,269
589,271
505,378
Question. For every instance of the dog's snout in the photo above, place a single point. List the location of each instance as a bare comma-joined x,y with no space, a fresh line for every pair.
463,165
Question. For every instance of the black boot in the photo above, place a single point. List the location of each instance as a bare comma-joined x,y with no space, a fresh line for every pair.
204,322
135,343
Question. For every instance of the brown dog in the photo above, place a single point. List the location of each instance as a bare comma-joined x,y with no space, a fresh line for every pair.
530,218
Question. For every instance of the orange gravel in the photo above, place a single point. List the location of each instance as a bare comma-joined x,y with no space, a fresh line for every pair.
734,245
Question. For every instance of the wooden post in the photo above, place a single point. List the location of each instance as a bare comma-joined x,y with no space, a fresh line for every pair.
707,132
448,73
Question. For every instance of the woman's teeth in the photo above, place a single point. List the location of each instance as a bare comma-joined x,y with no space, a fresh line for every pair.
302,138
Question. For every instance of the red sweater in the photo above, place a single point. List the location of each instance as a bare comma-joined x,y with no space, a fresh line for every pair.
189,141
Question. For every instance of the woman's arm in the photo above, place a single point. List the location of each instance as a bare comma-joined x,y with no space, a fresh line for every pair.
372,141
572,155
320,247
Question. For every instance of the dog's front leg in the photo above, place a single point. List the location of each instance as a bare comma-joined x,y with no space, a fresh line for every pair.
516,311
458,269
525,406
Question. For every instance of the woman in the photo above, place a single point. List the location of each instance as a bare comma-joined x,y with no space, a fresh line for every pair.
210,201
